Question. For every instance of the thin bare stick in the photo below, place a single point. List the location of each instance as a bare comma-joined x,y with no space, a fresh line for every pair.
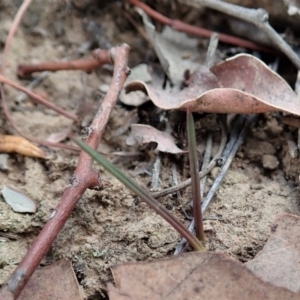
41,142
206,160
250,121
86,65
203,173
181,26
155,181
258,17
13,29
11,33
211,51
174,179
38,99
139,28
236,139
84,177
36,81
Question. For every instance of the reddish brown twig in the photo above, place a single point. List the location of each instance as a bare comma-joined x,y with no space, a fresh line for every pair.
198,31
13,29
86,65
84,177
38,99
11,33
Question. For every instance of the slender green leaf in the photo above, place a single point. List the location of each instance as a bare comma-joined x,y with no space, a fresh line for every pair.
144,195
194,169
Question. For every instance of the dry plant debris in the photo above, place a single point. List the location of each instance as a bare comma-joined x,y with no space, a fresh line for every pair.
144,134
241,84
184,50
56,281
278,263
192,276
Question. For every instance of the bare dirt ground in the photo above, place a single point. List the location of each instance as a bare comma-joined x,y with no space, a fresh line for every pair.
112,226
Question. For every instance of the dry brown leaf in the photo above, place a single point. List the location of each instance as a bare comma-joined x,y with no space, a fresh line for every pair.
57,281
11,143
197,275
279,261
242,84
144,134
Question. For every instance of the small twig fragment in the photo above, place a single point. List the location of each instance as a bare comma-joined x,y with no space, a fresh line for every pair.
36,98
197,31
86,65
259,17
155,181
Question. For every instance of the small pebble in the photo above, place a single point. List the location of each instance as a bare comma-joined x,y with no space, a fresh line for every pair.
270,162
3,161
18,201
103,88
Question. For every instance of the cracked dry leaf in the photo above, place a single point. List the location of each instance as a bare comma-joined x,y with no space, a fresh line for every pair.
144,134
279,261
241,84
11,143
196,275
56,281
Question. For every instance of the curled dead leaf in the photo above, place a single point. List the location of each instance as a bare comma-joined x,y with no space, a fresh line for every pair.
144,134
11,143
241,84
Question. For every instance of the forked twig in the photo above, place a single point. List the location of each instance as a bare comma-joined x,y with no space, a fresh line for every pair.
84,177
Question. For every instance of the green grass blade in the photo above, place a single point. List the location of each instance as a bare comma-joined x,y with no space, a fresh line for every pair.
194,169
144,195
